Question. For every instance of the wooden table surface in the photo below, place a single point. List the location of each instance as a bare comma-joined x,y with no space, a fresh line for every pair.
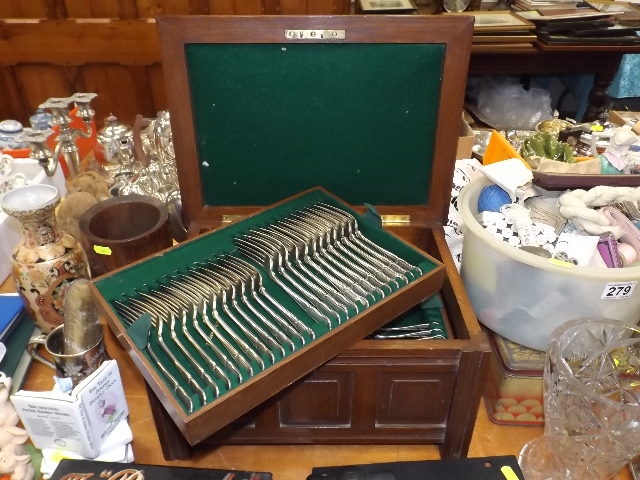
286,462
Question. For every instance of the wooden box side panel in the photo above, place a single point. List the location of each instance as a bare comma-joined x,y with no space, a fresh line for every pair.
363,400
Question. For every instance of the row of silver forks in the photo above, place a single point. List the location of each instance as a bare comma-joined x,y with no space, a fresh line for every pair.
321,259
217,325
225,324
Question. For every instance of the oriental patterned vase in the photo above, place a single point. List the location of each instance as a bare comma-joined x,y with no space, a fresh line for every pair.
46,260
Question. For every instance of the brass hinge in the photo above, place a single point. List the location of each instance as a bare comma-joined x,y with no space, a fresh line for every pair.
390,220
231,218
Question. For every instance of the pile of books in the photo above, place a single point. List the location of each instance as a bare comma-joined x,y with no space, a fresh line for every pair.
545,4
16,328
583,26
500,29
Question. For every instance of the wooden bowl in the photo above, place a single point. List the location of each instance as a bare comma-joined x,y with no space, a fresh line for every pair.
124,229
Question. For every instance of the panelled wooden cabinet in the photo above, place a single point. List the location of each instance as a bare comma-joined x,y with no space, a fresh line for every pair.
54,48
368,399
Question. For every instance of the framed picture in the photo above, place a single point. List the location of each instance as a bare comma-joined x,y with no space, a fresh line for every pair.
614,7
386,6
490,21
529,14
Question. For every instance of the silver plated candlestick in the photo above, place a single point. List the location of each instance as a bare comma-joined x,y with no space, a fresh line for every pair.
66,139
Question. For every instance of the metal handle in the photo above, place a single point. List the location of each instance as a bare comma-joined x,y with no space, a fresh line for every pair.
32,349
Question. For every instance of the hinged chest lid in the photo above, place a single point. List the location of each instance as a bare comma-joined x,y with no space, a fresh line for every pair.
265,107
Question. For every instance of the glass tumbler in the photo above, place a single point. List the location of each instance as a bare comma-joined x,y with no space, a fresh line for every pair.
591,402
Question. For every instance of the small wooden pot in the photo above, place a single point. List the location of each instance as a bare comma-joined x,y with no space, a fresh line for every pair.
124,229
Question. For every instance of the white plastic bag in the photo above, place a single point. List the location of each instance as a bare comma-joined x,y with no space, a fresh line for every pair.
503,103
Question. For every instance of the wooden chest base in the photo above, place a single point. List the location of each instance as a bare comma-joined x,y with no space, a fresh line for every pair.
376,392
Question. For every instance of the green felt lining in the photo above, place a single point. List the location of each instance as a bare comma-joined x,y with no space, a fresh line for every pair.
429,311
151,273
272,120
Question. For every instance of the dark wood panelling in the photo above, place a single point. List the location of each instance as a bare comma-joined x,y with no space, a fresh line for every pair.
199,7
322,400
149,8
249,7
156,81
153,8
222,7
142,91
292,7
327,7
413,399
118,92
76,42
236,7
58,9
127,9
80,8
40,82
33,8
6,9
176,7
12,102
272,7
105,8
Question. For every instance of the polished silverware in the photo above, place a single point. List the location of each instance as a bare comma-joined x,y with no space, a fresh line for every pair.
215,368
131,316
259,341
263,241
202,374
257,254
257,291
374,249
191,381
219,296
280,335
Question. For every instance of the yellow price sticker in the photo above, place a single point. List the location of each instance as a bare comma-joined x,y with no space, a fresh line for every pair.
597,128
102,250
560,263
508,472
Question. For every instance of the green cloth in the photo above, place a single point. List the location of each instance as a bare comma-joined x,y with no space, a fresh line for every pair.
272,120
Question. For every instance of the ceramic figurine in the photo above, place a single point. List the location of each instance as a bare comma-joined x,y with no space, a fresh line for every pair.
46,260
14,459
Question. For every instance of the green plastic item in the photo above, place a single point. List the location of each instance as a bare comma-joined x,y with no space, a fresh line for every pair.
547,146
568,153
536,143
551,146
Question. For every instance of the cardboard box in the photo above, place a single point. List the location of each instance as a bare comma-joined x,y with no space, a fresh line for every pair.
465,141
621,118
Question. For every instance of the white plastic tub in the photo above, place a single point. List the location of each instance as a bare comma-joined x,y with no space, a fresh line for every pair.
523,297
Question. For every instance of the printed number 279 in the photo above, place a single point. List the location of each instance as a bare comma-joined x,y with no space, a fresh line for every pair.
615,291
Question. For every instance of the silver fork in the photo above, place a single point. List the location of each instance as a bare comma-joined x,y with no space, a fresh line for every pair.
131,316
257,287
258,255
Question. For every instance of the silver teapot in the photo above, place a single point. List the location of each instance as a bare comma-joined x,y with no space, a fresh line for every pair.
114,145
